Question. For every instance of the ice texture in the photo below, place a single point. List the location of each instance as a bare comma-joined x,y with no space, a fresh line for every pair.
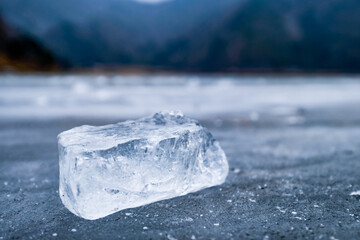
109,168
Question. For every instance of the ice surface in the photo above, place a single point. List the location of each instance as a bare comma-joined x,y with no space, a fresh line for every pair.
109,168
130,96
356,193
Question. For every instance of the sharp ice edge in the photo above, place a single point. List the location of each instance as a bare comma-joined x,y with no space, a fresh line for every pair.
129,164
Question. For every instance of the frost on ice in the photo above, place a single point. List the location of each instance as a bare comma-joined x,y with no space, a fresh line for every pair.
109,168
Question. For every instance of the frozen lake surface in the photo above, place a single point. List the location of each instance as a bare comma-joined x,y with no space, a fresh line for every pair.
120,97
293,145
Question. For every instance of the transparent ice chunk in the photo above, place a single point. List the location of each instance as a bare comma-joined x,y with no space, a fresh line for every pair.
109,168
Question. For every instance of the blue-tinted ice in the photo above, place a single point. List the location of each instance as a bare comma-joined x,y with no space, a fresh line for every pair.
109,168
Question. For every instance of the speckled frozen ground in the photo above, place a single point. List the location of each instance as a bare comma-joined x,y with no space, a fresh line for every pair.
294,173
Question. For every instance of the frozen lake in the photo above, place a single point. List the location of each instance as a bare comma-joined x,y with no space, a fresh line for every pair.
293,145
120,97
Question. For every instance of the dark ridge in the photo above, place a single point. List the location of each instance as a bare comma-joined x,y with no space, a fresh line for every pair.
20,52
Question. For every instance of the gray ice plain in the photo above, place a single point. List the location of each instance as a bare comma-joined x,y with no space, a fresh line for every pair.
110,168
292,144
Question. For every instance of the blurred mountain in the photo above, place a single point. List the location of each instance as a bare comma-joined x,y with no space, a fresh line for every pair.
87,32
281,34
200,35
22,53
